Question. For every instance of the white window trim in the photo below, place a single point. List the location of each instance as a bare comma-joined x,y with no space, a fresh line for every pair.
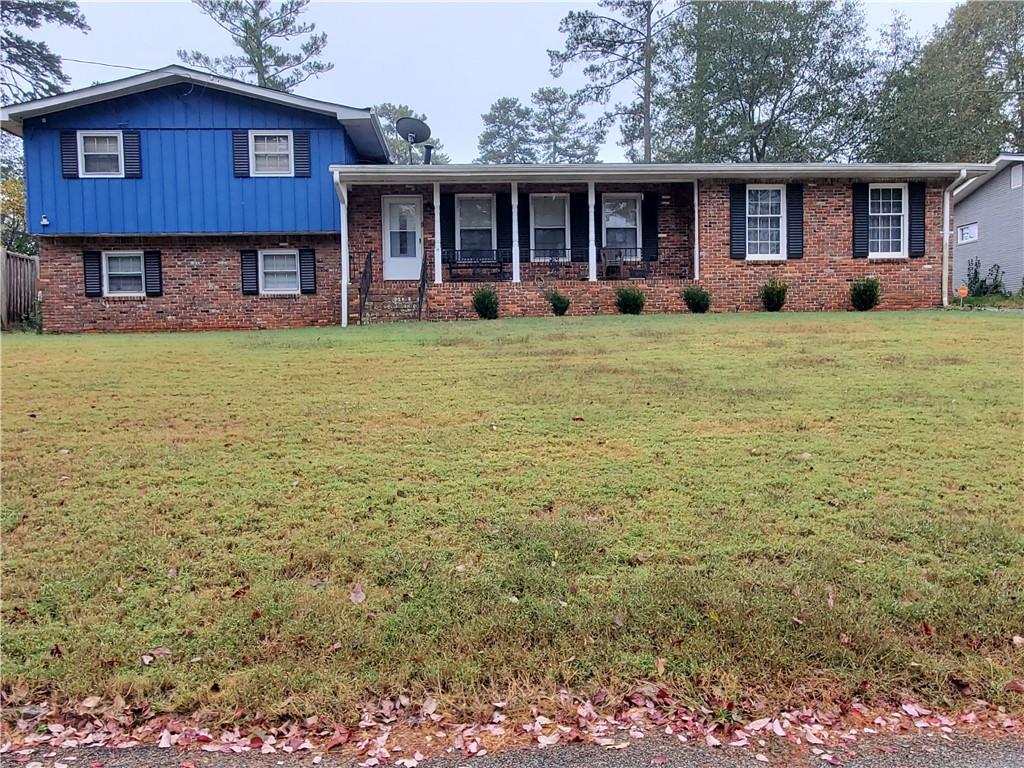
638,196
82,174
552,196
298,270
458,217
960,231
781,255
904,222
252,153
123,294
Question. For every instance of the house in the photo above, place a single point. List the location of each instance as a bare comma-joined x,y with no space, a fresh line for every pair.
175,200
988,216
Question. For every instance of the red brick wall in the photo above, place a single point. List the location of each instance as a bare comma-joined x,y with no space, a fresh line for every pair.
821,279
201,284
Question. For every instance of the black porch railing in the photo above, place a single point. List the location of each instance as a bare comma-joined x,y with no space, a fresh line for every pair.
568,263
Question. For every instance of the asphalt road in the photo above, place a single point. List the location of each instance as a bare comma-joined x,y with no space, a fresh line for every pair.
906,752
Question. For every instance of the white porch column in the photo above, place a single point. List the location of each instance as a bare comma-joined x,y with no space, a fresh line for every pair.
515,232
696,235
438,272
592,248
345,271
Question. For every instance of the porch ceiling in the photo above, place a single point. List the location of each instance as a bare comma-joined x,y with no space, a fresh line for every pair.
410,174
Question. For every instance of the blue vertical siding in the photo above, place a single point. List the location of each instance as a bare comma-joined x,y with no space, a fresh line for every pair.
187,182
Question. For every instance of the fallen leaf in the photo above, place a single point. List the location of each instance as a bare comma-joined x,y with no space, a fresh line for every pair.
89,702
1018,640
357,595
760,758
712,741
659,760
241,591
429,706
1015,686
659,666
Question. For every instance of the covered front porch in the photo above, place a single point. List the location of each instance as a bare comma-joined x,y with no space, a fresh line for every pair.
536,226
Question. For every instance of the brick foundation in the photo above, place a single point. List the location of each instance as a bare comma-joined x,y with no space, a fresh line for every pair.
202,287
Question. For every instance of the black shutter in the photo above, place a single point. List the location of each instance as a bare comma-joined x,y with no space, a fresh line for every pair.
93,270
503,225
794,221
447,223
915,241
579,228
524,227
860,221
153,273
240,153
307,270
131,143
250,273
649,225
69,155
301,159
598,219
737,221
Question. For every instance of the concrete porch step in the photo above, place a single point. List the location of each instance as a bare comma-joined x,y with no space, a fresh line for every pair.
390,308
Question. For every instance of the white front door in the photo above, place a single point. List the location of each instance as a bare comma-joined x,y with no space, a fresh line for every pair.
403,254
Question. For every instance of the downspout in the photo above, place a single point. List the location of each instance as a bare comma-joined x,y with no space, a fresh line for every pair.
947,209
342,193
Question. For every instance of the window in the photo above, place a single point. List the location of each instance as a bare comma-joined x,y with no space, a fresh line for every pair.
549,227
887,229
474,223
766,216
1016,176
279,271
968,233
270,153
123,274
100,154
620,224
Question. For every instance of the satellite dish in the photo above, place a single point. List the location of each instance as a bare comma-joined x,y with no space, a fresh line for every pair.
412,131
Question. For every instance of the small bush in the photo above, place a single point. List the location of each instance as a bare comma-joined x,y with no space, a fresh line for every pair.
864,294
559,303
485,302
630,301
773,294
697,300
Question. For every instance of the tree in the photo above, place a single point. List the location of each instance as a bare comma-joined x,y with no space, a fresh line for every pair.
28,68
762,82
13,230
619,47
388,113
561,130
508,135
957,98
255,26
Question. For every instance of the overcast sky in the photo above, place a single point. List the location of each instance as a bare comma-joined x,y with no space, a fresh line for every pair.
450,60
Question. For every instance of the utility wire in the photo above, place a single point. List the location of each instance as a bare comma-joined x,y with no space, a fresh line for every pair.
103,64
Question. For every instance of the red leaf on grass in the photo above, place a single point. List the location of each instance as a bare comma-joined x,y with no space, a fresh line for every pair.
1015,686
241,591
357,595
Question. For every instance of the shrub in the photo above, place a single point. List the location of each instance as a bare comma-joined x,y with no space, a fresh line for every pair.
773,294
697,300
984,286
864,294
485,302
559,303
630,301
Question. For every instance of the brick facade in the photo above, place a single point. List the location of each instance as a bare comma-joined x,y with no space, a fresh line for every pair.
202,285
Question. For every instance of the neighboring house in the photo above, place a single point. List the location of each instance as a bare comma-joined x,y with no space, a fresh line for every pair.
988,215
178,200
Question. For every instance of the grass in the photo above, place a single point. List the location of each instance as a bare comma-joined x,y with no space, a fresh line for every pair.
527,504
995,300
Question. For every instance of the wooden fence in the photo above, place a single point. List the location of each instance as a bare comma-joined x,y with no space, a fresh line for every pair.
19,286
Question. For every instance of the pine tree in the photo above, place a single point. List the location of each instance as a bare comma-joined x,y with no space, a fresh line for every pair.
28,68
563,134
508,135
255,27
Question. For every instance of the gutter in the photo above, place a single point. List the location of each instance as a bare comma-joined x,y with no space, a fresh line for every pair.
342,193
947,228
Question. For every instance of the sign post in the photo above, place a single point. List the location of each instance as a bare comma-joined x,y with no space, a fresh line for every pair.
961,292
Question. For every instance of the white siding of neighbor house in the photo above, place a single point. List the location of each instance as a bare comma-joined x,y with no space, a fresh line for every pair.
999,211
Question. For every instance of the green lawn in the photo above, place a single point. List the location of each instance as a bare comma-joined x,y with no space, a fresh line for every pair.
527,504
994,301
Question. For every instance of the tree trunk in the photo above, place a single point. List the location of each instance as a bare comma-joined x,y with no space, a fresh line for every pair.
648,84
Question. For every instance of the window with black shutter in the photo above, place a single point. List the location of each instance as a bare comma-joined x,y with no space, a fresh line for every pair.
307,270
153,273
92,272
794,221
250,273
